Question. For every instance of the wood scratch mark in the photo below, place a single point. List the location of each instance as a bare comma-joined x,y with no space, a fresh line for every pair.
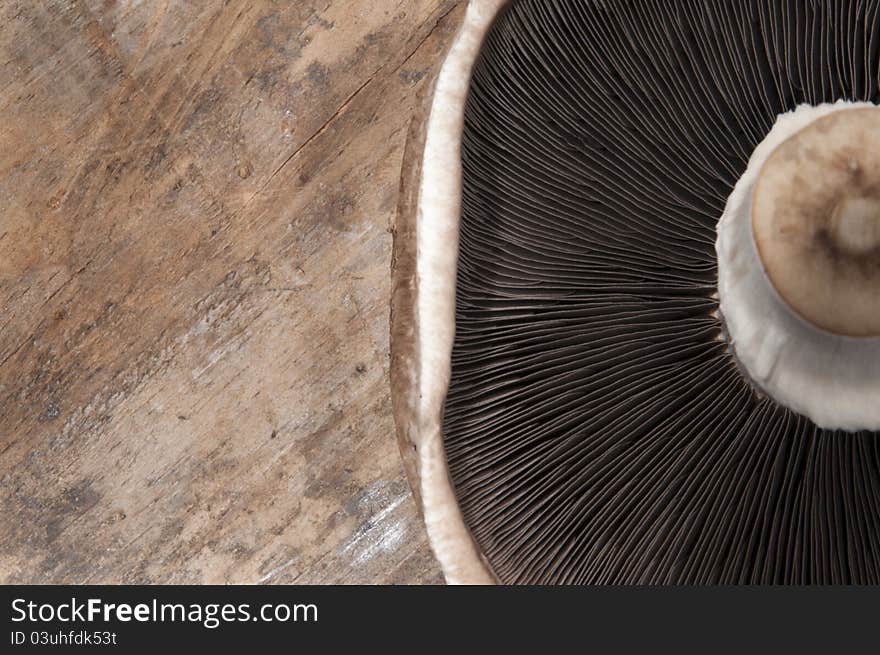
314,136
278,569
426,37
376,538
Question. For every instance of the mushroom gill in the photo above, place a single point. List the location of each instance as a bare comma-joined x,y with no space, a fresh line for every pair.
599,426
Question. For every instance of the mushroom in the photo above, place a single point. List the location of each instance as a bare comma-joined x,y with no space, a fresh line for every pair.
636,312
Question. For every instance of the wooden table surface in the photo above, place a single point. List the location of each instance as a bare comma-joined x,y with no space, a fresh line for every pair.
196,203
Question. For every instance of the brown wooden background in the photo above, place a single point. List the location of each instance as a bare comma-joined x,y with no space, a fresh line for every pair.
196,201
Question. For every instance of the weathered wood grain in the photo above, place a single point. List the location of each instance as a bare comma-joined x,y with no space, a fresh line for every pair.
195,212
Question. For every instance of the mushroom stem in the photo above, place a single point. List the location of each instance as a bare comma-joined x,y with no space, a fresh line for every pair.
799,265
856,225
816,222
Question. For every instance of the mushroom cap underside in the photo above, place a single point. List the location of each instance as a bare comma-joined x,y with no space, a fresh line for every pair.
596,426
